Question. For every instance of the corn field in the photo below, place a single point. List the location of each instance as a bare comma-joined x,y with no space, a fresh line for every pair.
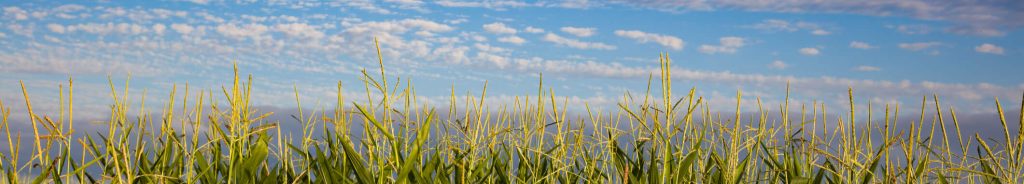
217,136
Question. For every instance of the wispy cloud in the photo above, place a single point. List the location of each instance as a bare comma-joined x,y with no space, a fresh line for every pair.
499,5
917,46
531,29
809,51
499,28
112,28
914,29
367,5
66,63
23,30
814,85
776,25
820,32
580,31
672,42
417,5
490,49
778,64
15,13
861,45
400,26
989,49
865,68
299,30
727,45
554,38
252,31
512,39
182,28
56,28
982,18
159,29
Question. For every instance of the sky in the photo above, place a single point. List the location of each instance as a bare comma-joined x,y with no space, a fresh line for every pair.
890,52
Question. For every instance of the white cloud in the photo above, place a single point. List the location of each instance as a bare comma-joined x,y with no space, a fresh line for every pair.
299,30
776,25
491,49
409,4
820,32
112,12
182,28
989,31
21,29
52,39
210,17
201,2
66,16
512,39
553,38
989,49
575,4
665,40
861,45
457,21
819,85
159,28
15,12
477,38
914,29
39,14
451,53
982,18
397,43
865,68
498,61
917,46
69,8
367,5
427,25
67,11
778,64
56,28
728,45
159,13
499,28
57,62
425,33
253,31
499,5
580,31
531,29
398,26
809,51
108,28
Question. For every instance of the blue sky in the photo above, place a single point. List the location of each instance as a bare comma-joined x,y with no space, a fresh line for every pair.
891,52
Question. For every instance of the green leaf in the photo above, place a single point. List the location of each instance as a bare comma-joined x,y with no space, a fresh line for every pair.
356,161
